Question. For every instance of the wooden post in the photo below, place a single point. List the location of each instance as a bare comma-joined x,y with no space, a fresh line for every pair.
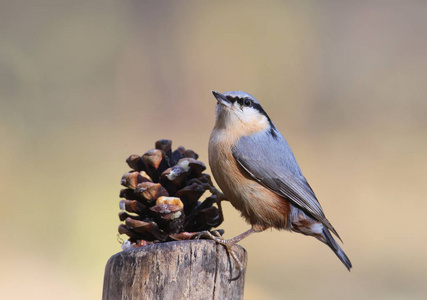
194,269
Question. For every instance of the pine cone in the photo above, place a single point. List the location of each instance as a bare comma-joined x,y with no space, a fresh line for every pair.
162,197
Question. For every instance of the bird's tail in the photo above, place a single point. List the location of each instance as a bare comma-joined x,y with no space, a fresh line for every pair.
329,240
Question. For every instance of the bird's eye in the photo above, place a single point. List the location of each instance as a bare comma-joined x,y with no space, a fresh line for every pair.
247,102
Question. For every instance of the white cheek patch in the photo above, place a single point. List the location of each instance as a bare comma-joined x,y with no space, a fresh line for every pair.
253,117
244,121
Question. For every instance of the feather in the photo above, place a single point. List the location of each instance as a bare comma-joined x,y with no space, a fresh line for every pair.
273,165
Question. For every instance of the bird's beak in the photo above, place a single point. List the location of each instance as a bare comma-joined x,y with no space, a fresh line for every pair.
221,99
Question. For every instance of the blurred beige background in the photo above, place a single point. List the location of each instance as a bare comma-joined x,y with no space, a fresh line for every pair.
83,84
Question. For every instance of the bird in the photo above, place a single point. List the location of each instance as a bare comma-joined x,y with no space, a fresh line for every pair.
256,170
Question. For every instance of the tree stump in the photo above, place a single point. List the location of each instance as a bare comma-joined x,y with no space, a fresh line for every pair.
194,269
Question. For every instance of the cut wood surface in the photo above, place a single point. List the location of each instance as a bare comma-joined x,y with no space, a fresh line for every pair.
194,269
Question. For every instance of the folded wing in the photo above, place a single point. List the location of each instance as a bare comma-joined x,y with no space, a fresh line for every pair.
273,165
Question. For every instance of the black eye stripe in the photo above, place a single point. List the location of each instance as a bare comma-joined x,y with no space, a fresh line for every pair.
231,99
240,101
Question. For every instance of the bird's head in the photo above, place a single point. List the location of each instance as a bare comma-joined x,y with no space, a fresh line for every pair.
240,111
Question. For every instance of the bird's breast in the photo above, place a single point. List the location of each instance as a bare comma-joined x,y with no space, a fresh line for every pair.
257,204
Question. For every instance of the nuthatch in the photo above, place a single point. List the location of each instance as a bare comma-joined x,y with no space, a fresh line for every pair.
257,171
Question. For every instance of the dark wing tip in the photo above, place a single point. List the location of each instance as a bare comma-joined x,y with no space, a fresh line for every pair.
331,228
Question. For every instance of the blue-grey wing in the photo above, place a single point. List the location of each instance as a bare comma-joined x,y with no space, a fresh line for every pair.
268,159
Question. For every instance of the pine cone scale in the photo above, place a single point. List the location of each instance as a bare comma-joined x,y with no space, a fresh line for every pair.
162,197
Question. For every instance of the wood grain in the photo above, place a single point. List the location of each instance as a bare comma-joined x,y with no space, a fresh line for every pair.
195,269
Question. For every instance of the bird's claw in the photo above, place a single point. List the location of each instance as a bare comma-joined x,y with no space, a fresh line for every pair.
238,262
215,235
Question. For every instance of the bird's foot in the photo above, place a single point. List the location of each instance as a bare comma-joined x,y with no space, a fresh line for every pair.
228,244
